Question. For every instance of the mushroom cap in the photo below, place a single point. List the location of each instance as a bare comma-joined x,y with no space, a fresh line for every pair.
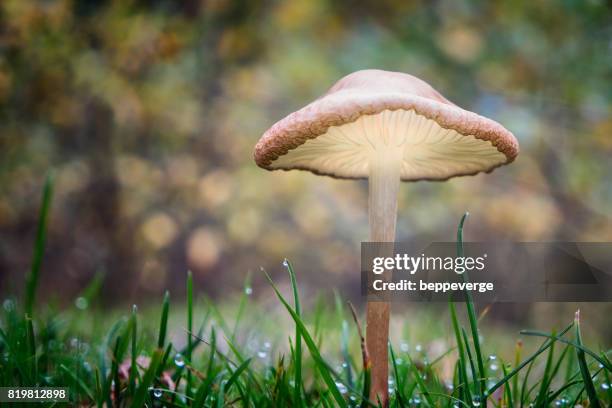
373,112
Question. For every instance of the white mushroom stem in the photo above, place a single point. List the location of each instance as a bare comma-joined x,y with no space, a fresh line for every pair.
384,180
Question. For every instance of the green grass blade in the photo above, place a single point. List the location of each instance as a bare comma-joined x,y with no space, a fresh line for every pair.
601,359
248,290
607,379
471,310
236,374
163,326
31,344
78,381
471,361
542,399
147,381
524,383
398,380
221,397
367,364
545,346
517,360
133,368
508,389
584,368
312,347
39,244
206,386
189,350
298,338
420,383
115,371
464,389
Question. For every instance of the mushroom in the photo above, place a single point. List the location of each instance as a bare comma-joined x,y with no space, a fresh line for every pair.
386,127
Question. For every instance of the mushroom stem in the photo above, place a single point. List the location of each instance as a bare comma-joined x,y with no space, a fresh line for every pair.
384,180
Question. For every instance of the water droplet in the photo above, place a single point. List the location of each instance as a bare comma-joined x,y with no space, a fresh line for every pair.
81,303
493,367
404,347
344,365
341,387
74,342
157,393
248,291
492,357
476,401
605,386
179,360
262,354
418,348
563,402
8,305
399,361
391,381
415,401
267,345
285,263
449,385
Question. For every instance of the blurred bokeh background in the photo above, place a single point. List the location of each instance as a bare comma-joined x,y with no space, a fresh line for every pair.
148,112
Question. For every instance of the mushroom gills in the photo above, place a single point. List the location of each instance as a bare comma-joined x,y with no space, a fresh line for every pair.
428,151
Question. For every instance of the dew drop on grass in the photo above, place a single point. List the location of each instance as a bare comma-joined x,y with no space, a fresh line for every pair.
267,345
404,347
248,291
157,393
476,401
8,305
493,366
415,401
341,387
81,303
179,360
262,354
285,263
74,342
418,348
605,386
399,361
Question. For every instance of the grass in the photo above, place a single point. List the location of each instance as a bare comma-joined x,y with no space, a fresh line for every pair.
209,364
